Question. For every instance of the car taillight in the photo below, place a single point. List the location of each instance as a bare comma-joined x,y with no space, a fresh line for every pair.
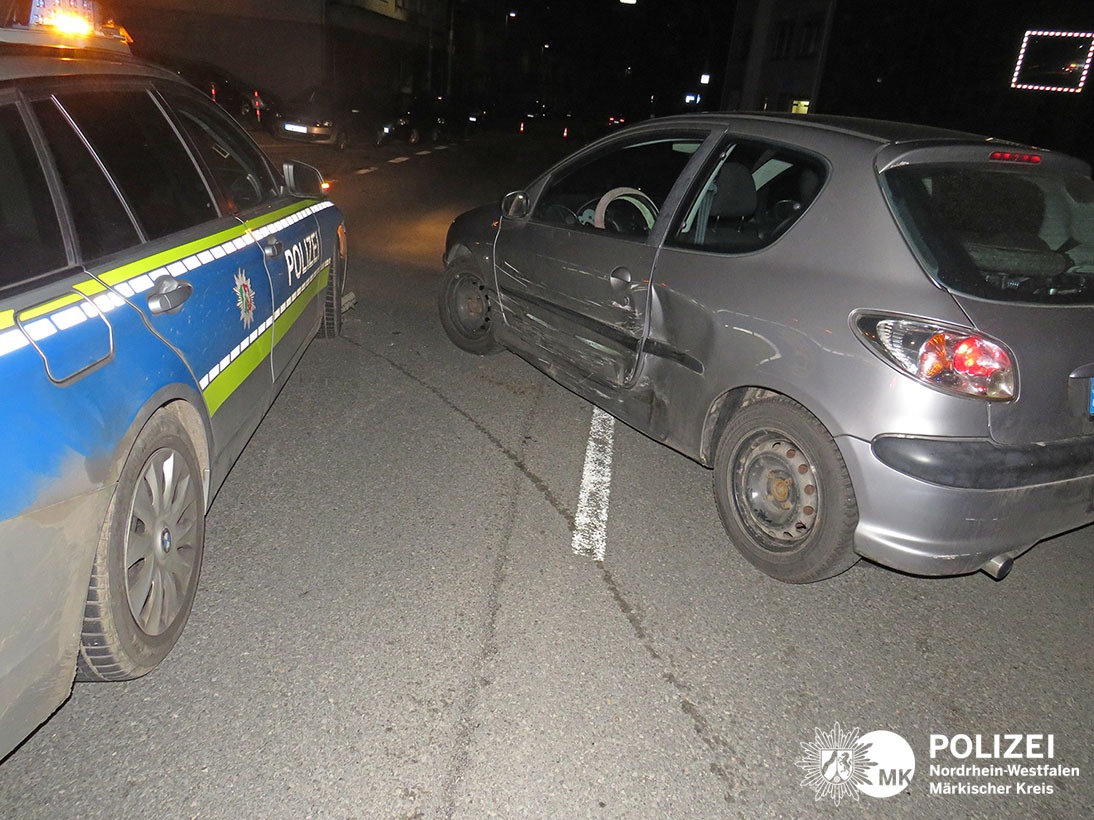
1015,156
950,358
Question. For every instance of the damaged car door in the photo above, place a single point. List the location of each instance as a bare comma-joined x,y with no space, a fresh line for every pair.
573,267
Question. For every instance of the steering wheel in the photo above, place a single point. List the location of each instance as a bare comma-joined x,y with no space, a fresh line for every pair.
559,213
645,206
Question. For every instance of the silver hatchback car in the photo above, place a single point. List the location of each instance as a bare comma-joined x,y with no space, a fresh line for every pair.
880,336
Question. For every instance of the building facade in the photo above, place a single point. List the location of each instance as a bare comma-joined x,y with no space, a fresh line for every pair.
935,62
381,47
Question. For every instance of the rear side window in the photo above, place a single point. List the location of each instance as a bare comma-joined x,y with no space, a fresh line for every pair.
1007,234
101,222
141,151
748,197
30,233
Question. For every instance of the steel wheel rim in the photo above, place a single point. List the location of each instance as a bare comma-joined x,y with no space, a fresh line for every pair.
161,543
776,491
472,306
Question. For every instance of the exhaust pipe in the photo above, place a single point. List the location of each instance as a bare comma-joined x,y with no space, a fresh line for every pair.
999,567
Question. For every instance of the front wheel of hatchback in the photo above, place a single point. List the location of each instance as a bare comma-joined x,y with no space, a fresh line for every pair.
783,492
467,309
146,569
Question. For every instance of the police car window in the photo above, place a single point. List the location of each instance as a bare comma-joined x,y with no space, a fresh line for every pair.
240,172
144,156
102,224
30,233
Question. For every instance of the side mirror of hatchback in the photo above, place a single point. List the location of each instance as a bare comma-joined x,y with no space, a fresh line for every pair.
516,205
303,180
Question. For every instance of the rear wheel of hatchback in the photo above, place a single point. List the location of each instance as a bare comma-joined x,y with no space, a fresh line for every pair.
783,492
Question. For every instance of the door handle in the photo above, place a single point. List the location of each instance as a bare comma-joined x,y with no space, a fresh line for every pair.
620,278
168,294
273,247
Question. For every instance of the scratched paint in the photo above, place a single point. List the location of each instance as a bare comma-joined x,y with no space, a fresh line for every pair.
591,521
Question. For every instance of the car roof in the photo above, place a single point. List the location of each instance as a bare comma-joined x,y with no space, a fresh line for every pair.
18,62
878,131
889,142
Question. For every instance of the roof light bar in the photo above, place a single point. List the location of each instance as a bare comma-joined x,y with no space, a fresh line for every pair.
67,24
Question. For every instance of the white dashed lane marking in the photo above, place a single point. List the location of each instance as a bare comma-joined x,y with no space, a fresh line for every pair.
591,520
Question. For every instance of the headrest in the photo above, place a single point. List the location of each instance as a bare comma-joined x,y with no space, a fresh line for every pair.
735,197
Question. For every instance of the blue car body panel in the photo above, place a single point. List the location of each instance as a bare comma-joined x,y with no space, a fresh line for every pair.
84,363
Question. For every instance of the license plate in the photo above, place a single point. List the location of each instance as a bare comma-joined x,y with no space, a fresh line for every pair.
296,129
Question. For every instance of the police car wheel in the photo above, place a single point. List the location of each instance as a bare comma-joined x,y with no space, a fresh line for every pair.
466,308
149,556
332,308
783,492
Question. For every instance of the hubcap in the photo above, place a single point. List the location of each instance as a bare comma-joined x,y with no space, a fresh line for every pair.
775,490
161,547
472,306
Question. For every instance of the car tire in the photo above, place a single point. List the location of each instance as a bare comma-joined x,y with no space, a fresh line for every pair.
467,309
332,306
148,561
783,492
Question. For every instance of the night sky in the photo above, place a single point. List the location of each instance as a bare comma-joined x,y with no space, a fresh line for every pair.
603,57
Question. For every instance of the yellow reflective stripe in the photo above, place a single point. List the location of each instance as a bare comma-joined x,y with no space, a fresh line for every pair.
253,352
292,309
229,378
116,276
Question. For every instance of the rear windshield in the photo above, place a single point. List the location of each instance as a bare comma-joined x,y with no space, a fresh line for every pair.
1006,233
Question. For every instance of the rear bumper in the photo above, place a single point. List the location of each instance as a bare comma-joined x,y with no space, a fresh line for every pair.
989,510
979,464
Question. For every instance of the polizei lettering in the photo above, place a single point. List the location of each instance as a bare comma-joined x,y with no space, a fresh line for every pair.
995,747
302,256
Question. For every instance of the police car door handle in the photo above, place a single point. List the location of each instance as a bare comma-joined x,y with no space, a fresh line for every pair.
273,247
168,294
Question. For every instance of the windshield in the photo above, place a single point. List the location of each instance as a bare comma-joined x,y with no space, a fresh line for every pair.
1011,234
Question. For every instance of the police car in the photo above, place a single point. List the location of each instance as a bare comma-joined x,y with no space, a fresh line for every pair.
159,280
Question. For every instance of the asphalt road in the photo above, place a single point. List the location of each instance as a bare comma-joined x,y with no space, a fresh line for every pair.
392,622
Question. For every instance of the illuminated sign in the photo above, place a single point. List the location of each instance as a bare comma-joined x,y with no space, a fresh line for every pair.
1053,61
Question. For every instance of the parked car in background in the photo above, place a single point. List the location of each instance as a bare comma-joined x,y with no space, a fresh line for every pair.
159,282
424,119
244,101
324,115
880,336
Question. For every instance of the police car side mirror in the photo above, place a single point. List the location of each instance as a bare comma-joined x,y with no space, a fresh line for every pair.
303,180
